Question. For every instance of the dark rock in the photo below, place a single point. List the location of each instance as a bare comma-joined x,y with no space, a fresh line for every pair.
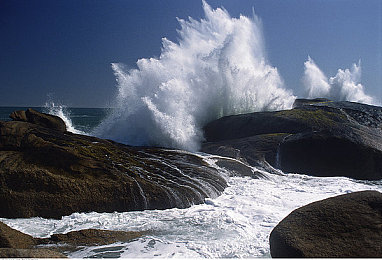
50,173
19,116
247,125
318,137
300,102
237,168
325,154
343,226
14,243
29,253
42,119
252,149
11,238
45,120
91,237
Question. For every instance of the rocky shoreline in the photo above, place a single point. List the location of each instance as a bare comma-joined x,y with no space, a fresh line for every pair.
14,243
317,137
49,172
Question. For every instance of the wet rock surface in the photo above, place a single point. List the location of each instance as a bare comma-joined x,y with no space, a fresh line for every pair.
317,137
343,226
14,243
90,237
30,253
51,173
42,119
11,238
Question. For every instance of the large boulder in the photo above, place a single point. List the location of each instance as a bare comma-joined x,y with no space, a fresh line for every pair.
343,226
317,137
50,173
42,119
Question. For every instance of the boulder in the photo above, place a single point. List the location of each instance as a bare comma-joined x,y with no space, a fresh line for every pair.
49,173
42,119
19,115
317,137
342,226
91,237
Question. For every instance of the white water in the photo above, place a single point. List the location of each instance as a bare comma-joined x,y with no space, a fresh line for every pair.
217,68
344,86
61,111
236,224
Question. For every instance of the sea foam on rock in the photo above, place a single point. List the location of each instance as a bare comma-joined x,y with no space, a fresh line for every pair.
317,137
344,226
14,243
50,173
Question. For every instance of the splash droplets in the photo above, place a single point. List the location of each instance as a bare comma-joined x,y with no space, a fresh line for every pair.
217,68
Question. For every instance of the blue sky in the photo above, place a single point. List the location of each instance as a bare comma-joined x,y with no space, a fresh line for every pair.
64,48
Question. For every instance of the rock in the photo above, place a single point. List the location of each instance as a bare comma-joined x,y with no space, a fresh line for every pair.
11,238
91,237
254,150
300,102
29,253
318,137
343,226
42,119
326,154
237,168
19,116
14,243
50,173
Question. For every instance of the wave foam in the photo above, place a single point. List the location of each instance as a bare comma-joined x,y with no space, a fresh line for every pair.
217,68
344,86
60,110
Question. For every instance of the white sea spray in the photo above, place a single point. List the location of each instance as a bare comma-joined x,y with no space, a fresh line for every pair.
344,86
217,68
61,111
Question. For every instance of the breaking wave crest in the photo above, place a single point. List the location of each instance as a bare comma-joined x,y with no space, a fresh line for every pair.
217,68
344,86
61,111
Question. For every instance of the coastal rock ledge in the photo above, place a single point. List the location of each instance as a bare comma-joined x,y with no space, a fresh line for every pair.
317,137
348,226
48,172
15,244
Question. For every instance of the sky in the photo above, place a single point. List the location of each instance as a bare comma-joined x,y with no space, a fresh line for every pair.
63,49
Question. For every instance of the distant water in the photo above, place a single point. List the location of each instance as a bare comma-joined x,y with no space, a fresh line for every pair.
80,120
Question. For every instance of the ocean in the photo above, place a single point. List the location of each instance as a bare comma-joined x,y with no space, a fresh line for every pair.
235,224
